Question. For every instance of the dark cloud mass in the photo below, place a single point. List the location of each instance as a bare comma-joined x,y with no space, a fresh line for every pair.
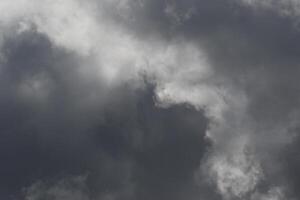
149,99
130,145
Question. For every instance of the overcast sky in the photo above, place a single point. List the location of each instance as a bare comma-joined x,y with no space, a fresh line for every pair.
149,99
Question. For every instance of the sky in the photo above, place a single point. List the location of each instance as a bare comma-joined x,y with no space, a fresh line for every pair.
149,99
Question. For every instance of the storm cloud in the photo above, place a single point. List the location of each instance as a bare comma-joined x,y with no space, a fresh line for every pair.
149,99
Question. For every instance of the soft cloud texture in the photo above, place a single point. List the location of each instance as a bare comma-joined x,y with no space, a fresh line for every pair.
137,87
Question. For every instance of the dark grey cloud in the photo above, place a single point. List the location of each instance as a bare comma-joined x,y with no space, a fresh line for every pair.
254,50
149,100
123,145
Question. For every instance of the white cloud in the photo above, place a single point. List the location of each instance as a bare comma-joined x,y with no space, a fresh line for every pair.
235,175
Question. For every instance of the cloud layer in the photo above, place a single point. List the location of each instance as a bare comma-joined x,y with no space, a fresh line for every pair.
138,99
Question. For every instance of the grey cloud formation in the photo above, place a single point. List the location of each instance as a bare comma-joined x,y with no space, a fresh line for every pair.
138,99
72,188
125,146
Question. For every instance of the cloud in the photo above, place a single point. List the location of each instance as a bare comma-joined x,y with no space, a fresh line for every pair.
274,193
71,188
117,133
126,79
289,8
